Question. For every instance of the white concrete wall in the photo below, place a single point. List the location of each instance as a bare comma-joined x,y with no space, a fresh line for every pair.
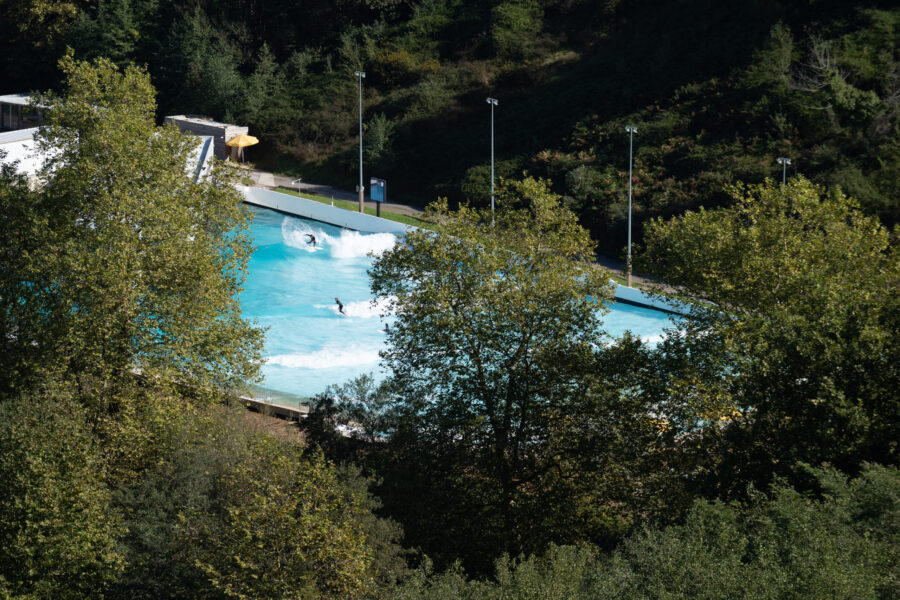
317,211
639,297
220,132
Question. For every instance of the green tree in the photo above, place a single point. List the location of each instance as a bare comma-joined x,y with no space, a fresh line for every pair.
379,140
497,334
58,527
112,33
803,342
514,26
840,544
265,90
231,510
120,263
276,526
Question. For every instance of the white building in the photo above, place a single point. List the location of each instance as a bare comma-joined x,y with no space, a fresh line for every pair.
15,114
18,147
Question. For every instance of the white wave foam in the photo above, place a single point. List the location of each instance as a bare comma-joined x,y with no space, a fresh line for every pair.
364,309
353,243
327,357
349,244
294,232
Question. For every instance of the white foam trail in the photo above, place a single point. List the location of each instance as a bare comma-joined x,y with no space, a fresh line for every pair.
364,309
352,244
327,357
294,231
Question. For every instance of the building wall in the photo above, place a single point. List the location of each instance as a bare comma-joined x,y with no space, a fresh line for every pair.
220,132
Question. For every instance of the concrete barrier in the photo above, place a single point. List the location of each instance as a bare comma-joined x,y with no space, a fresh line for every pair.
287,413
310,209
635,296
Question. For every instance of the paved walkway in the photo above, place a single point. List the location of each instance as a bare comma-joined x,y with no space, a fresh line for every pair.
270,180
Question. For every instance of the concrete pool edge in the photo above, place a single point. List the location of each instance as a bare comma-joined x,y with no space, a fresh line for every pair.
638,297
310,209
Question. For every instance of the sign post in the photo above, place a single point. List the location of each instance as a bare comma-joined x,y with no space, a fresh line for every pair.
377,193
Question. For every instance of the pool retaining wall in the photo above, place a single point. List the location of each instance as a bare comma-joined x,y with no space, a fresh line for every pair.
635,296
310,209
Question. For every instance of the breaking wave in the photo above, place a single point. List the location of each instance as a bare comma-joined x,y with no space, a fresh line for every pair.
327,357
364,309
349,244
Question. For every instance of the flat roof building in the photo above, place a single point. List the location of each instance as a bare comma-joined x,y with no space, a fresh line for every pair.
19,148
15,114
220,132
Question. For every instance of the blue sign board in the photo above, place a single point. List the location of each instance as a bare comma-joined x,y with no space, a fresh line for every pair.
377,189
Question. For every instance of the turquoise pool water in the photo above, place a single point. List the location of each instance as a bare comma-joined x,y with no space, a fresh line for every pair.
291,287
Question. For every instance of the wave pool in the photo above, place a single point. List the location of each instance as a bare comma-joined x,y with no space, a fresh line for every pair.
291,289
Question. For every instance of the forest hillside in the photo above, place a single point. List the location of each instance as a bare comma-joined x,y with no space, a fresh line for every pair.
716,91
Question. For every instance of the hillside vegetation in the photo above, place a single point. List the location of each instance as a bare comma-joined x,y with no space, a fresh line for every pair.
716,91
514,449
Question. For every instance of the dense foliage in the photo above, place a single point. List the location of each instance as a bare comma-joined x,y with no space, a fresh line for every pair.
498,390
500,432
839,545
752,453
802,342
98,262
120,474
814,81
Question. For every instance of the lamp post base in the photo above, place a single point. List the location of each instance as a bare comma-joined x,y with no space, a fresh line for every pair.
628,271
361,202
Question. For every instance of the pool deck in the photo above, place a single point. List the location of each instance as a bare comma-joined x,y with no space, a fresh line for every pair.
281,411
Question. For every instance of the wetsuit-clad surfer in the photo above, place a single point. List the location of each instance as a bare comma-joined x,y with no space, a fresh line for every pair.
340,307
312,239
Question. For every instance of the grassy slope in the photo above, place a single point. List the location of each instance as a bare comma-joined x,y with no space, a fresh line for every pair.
354,206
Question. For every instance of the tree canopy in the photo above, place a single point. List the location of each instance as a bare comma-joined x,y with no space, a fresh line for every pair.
839,544
803,331
497,319
507,412
118,263
124,472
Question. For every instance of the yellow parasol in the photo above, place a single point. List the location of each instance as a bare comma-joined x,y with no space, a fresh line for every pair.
240,142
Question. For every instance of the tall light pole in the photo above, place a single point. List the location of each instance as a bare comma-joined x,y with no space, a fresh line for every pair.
631,129
360,75
493,102
784,162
